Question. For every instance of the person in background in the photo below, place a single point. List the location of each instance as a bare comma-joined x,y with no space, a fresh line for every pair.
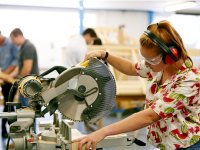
172,113
8,63
76,48
28,59
97,41
74,51
89,35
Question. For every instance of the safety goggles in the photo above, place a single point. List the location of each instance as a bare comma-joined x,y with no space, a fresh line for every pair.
153,61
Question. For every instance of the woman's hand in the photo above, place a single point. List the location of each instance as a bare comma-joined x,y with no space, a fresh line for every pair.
90,141
99,54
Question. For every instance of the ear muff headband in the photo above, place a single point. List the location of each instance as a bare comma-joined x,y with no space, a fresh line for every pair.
160,44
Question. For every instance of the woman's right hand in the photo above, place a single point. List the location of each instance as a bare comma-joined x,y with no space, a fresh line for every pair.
89,142
99,54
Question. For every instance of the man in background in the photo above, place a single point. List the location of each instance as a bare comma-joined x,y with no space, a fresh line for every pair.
8,63
28,59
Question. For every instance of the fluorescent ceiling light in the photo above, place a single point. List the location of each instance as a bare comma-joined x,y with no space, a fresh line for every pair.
180,6
42,3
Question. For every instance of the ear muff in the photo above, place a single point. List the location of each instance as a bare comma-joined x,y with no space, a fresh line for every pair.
168,59
170,53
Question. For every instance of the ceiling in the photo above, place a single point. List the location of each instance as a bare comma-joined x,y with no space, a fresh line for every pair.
143,5
135,5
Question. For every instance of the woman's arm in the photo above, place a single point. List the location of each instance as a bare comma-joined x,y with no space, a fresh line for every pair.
123,65
131,123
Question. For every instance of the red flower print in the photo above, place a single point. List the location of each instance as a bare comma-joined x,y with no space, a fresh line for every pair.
165,94
191,100
197,129
196,84
136,66
179,105
167,99
182,68
163,115
154,88
157,138
185,111
177,146
191,130
174,86
162,129
152,105
176,132
149,75
195,70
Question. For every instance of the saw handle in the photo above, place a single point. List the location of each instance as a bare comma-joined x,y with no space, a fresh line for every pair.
85,63
59,69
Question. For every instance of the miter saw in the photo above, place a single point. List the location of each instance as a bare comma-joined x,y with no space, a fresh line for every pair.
85,92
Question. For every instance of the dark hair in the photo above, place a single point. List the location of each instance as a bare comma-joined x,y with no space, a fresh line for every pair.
16,32
97,41
90,31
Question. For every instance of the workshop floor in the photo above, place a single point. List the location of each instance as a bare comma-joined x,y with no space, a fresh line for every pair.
81,127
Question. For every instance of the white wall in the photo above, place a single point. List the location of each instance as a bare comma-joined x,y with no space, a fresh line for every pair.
135,22
49,29
188,26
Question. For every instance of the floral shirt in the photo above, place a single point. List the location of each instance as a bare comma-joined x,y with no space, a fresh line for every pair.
177,102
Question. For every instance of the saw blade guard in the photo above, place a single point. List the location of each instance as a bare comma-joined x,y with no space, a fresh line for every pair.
84,93
80,93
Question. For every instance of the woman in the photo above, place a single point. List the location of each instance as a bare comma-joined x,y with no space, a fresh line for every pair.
172,114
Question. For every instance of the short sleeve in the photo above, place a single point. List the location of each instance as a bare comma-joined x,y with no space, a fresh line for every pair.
29,52
183,97
142,69
14,53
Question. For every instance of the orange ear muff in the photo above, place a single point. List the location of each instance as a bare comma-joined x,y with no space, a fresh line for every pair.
168,59
170,54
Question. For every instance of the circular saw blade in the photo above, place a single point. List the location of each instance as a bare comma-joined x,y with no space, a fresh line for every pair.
69,105
89,92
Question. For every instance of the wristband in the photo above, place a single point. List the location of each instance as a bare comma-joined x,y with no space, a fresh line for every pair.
106,56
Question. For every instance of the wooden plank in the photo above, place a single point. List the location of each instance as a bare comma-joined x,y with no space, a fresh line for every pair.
194,52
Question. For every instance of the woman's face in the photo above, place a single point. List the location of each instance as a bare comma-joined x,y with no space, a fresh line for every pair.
152,59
